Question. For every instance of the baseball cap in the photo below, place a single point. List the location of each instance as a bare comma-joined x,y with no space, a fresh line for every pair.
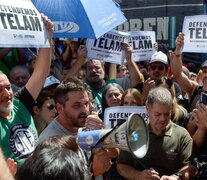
204,64
51,80
159,56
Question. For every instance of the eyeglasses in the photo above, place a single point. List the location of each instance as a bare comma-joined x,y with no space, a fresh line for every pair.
51,107
160,67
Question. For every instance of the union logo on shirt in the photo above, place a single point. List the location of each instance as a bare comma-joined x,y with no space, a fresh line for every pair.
22,140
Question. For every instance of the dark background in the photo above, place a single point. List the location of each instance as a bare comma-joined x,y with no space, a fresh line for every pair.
148,13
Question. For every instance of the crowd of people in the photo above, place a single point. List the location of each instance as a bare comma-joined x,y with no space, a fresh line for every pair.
46,98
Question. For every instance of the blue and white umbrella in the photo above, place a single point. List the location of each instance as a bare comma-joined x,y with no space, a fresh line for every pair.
81,18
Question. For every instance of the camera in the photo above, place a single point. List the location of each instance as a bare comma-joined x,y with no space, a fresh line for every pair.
203,98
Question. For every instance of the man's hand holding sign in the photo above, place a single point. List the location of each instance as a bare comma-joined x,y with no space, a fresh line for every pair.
108,47
195,30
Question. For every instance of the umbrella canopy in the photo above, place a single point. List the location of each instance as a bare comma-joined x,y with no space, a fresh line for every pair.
81,18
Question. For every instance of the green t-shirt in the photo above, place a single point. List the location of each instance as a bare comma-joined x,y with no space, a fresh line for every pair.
97,93
18,135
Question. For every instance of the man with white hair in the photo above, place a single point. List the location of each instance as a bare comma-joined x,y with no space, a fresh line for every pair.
170,145
18,134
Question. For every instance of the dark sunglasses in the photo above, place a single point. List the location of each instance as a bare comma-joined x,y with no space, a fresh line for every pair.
160,67
51,107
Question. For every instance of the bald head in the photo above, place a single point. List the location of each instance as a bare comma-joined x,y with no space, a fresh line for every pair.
19,76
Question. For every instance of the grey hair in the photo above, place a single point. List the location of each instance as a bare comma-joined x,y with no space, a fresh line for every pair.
160,95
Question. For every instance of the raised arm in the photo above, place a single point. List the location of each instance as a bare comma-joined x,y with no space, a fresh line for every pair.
71,49
81,60
42,64
175,57
135,75
67,51
112,71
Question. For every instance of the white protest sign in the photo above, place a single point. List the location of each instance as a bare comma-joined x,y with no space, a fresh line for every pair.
107,48
195,30
116,114
142,45
21,25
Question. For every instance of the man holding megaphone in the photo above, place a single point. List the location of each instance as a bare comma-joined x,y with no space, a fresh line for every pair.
72,104
170,145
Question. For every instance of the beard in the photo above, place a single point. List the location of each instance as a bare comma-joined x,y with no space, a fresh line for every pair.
96,77
6,110
77,121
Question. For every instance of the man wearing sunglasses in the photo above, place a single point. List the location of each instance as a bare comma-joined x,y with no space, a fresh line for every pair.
158,67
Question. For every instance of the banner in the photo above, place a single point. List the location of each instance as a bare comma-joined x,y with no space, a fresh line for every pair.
108,47
195,30
142,45
117,114
21,25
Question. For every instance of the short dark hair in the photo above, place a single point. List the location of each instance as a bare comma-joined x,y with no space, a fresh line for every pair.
43,96
69,85
53,164
61,141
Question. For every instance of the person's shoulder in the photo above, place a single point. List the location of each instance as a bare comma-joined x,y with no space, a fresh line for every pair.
18,104
176,126
125,81
49,128
179,129
53,129
22,92
47,132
